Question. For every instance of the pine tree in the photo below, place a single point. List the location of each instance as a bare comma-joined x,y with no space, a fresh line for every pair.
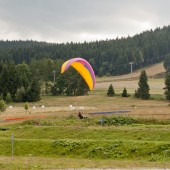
143,90
167,86
111,91
124,93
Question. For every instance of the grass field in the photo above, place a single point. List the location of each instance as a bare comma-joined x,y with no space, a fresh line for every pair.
67,142
152,71
53,137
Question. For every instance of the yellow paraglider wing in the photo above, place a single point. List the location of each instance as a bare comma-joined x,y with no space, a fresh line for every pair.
83,67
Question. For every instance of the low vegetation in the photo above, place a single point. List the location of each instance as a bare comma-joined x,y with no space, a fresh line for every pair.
98,141
118,138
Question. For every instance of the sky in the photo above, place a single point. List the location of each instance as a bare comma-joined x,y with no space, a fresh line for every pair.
61,21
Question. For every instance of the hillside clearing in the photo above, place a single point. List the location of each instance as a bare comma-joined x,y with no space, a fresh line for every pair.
151,71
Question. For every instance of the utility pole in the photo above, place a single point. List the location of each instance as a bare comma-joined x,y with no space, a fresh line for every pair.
54,73
131,63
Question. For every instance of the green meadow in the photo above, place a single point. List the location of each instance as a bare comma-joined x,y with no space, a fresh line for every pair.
139,138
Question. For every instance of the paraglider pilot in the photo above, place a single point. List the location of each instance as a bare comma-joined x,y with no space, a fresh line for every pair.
81,116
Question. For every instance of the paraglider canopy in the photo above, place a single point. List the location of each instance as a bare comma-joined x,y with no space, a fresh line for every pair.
84,68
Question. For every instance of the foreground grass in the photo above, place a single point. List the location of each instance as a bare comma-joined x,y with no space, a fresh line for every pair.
30,162
86,140
89,149
61,140
120,128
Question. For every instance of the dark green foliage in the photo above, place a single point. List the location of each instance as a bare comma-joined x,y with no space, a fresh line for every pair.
8,98
167,86
55,90
143,90
26,106
20,95
111,91
124,93
4,82
110,56
59,87
43,69
19,83
33,92
137,94
13,80
82,87
74,84
167,63
4,128
24,73
2,106
117,121
123,120
1,97
100,73
9,81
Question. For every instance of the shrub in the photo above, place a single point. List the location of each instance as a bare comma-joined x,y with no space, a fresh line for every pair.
20,95
2,106
26,106
120,120
8,98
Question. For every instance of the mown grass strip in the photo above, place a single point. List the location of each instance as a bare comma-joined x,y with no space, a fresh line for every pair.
137,132
117,149
26,163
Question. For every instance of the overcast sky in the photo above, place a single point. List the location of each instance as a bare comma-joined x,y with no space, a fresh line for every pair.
80,20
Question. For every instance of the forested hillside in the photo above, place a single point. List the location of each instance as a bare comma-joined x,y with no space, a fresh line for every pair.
107,57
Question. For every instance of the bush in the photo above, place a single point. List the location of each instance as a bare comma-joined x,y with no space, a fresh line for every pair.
33,92
8,98
20,95
26,106
117,121
2,106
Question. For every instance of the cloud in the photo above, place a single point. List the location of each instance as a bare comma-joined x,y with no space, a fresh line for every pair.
79,20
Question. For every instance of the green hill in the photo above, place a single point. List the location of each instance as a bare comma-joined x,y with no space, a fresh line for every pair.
107,57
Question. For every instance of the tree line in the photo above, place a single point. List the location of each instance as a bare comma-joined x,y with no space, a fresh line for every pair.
26,83
107,57
30,68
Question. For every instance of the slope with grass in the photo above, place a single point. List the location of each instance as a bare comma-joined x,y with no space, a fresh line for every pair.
74,140
61,140
152,71
130,81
